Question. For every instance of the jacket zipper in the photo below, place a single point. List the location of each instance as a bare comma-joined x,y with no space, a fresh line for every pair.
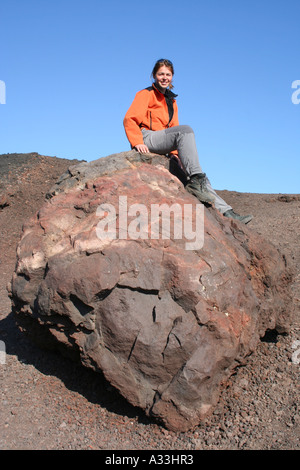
150,121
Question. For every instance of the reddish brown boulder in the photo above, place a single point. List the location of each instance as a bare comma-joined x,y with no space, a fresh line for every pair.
166,317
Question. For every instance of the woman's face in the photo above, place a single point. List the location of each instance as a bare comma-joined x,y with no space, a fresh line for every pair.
163,77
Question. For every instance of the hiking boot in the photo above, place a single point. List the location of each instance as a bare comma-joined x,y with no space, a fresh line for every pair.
242,218
198,187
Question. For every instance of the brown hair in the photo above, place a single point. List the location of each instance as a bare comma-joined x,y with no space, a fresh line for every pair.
160,63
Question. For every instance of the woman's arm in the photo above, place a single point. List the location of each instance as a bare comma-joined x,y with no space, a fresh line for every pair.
175,122
134,117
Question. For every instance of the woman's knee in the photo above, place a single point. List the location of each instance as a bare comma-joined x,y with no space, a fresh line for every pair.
179,131
186,129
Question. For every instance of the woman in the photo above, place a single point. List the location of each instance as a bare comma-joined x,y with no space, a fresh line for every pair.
151,125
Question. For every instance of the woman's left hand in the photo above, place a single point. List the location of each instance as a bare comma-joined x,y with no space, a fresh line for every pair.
142,148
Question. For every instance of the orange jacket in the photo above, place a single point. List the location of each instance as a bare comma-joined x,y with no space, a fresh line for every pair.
150,110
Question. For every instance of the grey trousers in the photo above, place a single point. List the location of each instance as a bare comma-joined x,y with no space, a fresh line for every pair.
182,139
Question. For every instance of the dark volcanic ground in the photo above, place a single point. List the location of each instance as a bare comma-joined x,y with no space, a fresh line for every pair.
48,402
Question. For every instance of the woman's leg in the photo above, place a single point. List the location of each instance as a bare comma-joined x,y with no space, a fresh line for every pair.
182,139
220,204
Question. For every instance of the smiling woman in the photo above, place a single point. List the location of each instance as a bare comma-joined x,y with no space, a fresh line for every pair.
151,125
162,73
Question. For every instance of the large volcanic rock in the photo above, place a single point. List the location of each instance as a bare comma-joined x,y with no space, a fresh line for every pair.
166,321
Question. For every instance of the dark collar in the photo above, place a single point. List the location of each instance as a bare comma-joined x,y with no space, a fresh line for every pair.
168,93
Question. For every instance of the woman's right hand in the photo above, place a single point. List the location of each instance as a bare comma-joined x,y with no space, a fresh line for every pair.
142,148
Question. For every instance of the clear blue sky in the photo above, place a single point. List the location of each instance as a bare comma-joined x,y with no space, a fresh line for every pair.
71,69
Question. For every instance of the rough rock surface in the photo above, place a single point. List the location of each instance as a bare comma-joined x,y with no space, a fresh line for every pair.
166,325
